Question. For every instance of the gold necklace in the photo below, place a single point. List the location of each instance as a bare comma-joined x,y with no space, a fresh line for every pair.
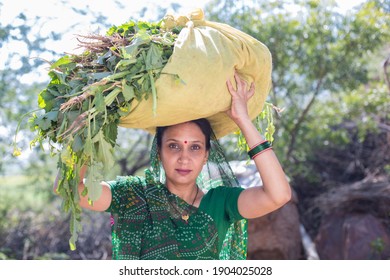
185,214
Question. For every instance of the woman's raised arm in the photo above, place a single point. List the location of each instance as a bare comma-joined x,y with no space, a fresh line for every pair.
275,192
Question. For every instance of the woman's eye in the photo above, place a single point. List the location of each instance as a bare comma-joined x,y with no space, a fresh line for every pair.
195,147
173,146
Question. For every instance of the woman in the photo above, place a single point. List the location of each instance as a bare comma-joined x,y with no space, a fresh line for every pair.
168,215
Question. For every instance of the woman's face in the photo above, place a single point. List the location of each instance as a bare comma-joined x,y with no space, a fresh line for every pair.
183,153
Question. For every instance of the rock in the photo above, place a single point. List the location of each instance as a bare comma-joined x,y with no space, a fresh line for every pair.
275,236
354,220
352,236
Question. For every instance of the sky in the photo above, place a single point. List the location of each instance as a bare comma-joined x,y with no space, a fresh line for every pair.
55,16
59,17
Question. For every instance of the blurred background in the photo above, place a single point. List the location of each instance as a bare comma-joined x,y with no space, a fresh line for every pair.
331,77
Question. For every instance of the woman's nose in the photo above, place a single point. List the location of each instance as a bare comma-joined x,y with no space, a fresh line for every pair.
184,155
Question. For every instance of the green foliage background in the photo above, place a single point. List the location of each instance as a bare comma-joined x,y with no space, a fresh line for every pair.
328,77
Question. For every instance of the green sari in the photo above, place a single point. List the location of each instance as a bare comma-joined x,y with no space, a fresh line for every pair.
147,224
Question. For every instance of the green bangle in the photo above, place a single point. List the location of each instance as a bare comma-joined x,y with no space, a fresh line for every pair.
259,148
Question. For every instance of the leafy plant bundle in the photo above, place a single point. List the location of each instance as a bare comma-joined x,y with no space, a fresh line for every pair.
88,94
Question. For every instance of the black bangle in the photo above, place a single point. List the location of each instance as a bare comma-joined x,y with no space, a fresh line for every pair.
259,148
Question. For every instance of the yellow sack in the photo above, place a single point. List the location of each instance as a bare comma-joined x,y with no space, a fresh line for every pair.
206,54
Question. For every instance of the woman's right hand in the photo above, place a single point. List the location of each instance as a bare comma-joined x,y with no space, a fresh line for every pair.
238,111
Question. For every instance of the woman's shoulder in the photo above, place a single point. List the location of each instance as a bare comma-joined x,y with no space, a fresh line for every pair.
147,179
224,189
138,182
129,181
222,192
227,200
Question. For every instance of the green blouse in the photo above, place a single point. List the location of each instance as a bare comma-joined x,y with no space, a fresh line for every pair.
146,221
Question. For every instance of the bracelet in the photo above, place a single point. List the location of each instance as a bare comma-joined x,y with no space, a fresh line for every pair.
257,144
259,148
261,152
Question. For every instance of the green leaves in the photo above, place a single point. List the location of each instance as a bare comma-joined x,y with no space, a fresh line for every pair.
104,152
65,60
85,99
46,100
98,102
45,122
154,57
127,91
93,180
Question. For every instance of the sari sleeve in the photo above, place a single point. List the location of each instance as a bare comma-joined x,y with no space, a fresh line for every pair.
127,192
231,204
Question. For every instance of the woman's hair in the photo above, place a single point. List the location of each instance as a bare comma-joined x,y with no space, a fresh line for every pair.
203,124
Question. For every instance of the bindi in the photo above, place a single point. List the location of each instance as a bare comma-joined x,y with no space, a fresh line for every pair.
185,142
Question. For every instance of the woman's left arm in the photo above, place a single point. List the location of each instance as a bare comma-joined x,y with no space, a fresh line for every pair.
275,192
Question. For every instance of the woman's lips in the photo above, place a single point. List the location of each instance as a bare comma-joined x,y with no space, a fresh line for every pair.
183,171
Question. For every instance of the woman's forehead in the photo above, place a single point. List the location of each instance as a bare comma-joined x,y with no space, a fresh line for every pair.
184,132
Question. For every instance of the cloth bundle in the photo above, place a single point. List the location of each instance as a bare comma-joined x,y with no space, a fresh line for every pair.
206,54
